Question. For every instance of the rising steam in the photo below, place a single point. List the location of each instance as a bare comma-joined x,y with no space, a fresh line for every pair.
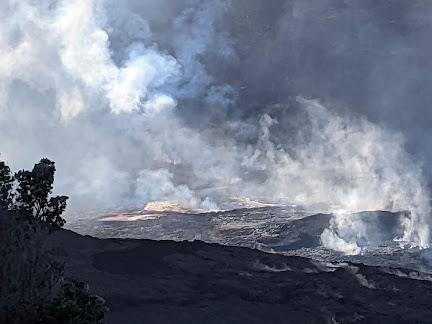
144,101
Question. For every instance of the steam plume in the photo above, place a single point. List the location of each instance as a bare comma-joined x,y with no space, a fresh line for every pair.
149,100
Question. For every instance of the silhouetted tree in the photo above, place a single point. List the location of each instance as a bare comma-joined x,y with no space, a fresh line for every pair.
31,196
74,304
6,181
32,284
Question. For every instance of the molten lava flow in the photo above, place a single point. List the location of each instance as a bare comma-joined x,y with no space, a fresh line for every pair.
130,217
166,206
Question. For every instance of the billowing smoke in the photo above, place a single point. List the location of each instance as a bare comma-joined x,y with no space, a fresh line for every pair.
321,104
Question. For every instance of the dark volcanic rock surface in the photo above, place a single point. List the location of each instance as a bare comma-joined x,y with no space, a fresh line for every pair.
283,230
147,281
280,229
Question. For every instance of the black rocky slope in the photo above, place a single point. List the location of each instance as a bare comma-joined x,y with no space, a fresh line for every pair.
147,281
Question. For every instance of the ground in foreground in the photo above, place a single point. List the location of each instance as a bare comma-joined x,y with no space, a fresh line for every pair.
147,281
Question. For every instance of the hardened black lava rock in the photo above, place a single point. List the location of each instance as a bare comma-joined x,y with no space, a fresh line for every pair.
146,281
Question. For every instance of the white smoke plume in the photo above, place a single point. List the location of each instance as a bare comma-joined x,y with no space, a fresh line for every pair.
155,100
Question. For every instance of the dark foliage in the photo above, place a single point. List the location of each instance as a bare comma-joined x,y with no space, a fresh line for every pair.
74,304
28,193
28,274
32,284
6,181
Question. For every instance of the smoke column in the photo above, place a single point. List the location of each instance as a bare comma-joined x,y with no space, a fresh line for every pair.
321,103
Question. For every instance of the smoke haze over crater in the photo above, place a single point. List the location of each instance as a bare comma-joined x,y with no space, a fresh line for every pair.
314,103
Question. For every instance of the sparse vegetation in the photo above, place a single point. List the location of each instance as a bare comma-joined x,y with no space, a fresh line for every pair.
28,193
32,286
